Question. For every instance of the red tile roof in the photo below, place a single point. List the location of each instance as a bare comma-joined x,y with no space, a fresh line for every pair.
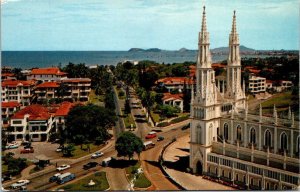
10,104
15,83
35,112
7,75
48,85
64,109
175,80
47,71
169,96
218,65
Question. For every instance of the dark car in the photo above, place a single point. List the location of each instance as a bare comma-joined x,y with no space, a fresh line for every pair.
90,165
6,178
160,138
54,177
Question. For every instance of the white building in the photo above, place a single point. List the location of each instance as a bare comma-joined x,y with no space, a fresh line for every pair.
8,108
46,74
19,91
227,143
33,123
175,100
257,85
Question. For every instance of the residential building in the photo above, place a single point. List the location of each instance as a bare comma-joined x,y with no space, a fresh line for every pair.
33,123
46,91
250,151
257,85
175,100
19,91
46,74
175,83
61,114
7,76
8,108
78,89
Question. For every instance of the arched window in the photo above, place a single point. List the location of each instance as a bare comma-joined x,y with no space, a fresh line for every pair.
223,173
283,141
225,131
268,138
252,136
216,170
210,133
199,134
237,177
239,133
275,186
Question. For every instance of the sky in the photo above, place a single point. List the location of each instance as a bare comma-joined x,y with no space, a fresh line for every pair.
165,24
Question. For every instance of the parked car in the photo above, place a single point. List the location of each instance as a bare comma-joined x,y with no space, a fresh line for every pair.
12,146
97,154
60,148
20,183
5,178
54,177
25,143
160,138
151,135
27,150
90,165
63,167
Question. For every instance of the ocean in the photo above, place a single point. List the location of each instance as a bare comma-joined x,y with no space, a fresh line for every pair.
30,59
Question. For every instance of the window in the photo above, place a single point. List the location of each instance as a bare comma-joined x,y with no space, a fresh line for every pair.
225,131
268,138
283,141
239,133
252,136
298,144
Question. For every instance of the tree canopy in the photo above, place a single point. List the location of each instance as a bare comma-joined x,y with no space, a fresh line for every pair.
127,144
89,122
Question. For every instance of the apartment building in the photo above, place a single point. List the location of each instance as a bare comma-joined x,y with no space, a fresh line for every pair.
46,74
175,83
19,91
33,123
257,85
46,90
8,108
78,89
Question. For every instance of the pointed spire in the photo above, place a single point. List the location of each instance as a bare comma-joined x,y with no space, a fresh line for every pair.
260,113
289,113
233,30
203,28
275,115
293,120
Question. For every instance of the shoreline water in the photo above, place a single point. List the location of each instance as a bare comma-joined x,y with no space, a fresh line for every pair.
31,59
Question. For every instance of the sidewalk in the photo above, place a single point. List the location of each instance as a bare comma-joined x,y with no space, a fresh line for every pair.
187,180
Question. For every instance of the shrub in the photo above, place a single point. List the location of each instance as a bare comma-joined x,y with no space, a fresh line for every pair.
163,124
179,119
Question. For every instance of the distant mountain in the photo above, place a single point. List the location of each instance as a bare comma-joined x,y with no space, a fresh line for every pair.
183,50
226,50
144,50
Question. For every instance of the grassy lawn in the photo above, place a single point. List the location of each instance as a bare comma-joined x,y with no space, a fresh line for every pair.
99,178
96,99
4,168
282,102
155,116
128,120
141,180
82,152
118,92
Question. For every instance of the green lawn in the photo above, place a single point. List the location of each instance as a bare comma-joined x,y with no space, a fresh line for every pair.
96,99
141,181
155,116
82,152
4,168
128,120
99,178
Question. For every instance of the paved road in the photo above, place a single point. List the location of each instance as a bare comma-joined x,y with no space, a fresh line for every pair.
119,127
117,179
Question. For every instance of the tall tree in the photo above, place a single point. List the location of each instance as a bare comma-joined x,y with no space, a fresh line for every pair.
127,144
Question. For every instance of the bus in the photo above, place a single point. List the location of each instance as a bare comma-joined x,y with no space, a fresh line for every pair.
65,178
106,161
148,145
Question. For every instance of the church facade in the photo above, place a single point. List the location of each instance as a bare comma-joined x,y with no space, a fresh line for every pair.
227,143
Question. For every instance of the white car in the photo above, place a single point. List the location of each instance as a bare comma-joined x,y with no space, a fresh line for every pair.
97,154
63,167
20,183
